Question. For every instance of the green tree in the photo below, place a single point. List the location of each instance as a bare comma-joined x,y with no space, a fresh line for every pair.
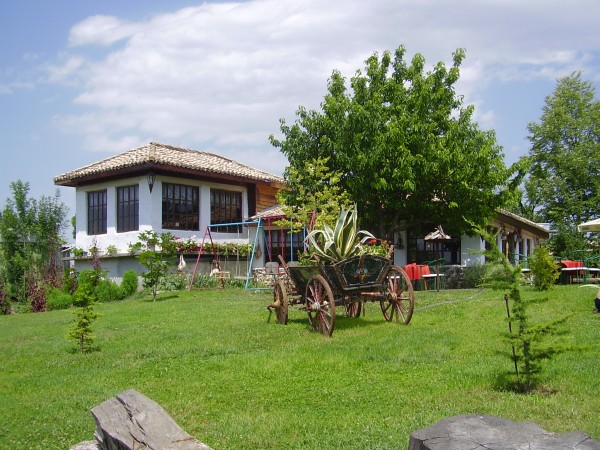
563,186
567,242
31,236
407,150
312,189
155,249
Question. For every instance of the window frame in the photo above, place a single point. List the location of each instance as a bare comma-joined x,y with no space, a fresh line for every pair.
97,208
230,210
185,212
128,211
278,242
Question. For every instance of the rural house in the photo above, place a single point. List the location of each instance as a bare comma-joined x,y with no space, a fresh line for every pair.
165,189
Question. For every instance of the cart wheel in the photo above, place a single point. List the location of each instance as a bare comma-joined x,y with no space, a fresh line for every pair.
400,301
320,305
280,302
353,309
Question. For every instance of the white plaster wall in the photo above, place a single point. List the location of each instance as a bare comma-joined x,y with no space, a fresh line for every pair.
469,245
150,213
400,254
119,240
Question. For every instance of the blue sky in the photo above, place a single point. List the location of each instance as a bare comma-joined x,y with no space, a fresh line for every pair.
82,80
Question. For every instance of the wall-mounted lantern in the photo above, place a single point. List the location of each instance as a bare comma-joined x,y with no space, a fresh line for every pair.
151,179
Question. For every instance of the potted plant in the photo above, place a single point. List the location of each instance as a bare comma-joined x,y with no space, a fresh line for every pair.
342,242
135,248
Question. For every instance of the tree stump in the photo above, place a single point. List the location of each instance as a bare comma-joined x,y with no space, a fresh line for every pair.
132,421
471,432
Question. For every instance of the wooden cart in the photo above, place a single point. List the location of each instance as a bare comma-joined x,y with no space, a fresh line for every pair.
349,283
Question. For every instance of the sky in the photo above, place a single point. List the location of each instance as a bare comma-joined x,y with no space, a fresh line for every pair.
83,80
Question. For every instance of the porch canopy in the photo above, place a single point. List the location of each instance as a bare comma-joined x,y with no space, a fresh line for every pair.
592,225
437,236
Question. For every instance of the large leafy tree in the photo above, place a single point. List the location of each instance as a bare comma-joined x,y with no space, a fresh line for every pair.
312,189
408,152
564,183
30,231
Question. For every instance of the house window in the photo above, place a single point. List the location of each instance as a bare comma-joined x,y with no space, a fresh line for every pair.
128,209
421,251
180,207
225,207
96,213
282,242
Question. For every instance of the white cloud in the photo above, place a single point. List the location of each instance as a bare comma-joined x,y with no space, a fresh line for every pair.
219,76
68,67
101,30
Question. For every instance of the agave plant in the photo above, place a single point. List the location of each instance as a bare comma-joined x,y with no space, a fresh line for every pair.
343,242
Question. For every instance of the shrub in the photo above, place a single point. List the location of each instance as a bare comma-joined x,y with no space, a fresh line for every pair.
130,282
5,305
36,294
107,291
86,285
135,248
236,283
59,299
454,277
70,281
473,276
173,282
203,280
543,268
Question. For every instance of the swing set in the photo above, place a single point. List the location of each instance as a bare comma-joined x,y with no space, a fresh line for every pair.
217,268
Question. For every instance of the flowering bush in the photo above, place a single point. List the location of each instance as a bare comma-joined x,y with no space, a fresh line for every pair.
36,294
187,245
377,247
191,245
4,303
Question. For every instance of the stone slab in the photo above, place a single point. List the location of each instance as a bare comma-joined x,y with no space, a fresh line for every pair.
479,432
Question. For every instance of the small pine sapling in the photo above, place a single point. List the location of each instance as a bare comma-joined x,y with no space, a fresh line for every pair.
529,342
86,297
82,327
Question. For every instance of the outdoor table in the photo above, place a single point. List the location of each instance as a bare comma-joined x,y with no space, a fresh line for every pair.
421,274
416,272
571,269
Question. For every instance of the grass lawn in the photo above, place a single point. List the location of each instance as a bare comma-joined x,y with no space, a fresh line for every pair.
234,381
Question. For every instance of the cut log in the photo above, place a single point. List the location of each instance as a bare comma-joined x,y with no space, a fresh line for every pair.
133,421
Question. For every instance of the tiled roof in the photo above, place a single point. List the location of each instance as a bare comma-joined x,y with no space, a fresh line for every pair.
523,220
161,155
273,211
